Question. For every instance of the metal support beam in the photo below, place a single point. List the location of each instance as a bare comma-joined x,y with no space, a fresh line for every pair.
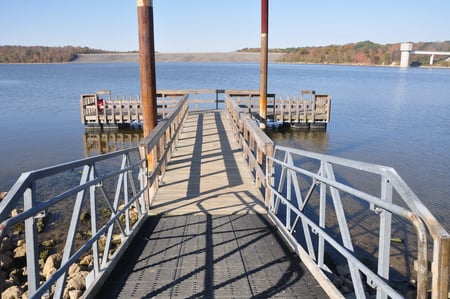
264,62
147,64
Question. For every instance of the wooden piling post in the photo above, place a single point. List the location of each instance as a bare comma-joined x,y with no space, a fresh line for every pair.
264,62
147,65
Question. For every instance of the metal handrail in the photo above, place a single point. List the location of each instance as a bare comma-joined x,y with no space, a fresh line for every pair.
321,175
134,179
25,193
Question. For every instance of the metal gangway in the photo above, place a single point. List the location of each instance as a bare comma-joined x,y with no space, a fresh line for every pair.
322,206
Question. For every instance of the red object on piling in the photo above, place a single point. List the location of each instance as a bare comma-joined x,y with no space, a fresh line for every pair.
147,65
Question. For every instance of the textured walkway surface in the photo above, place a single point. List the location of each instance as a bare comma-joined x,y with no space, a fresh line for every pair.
210,256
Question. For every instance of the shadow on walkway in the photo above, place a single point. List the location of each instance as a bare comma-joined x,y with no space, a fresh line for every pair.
210,257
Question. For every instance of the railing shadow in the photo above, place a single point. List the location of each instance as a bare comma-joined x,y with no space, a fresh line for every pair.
220,240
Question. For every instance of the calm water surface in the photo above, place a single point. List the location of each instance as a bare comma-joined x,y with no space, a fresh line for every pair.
390,116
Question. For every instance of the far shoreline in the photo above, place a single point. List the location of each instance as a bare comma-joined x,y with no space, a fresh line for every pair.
177,57
205,57
226,57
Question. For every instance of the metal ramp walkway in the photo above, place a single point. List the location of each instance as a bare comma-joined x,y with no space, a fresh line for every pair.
209,236
210,256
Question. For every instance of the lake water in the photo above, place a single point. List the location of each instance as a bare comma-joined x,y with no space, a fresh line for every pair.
391,116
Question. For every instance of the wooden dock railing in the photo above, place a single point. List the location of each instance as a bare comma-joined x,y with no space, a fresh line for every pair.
99,110
255,144
158,146
103,111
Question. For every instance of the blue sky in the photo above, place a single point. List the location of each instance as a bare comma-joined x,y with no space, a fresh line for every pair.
221,25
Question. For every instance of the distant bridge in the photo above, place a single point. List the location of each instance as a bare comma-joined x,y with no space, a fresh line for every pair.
406,49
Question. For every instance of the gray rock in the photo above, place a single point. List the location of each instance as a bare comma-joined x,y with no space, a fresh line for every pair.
78,281
7,244
3,195
343,270
13,292
51,264
73,270
75,294
6,262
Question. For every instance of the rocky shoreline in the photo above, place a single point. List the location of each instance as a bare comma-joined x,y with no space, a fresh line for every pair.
13,264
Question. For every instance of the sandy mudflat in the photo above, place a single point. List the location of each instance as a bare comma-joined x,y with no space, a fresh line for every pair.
176,57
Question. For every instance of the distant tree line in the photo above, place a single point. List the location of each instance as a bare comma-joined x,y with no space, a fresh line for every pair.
362,53
40,54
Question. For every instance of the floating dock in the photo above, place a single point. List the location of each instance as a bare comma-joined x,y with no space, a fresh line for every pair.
306,111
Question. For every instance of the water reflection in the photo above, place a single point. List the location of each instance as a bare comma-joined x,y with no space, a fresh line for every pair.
312,140
97,142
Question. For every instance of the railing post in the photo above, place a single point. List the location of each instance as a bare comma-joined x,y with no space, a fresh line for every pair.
269,169
322,217
31,243
385,235
440,268
217,100
71,233
313,107
145,171
93,211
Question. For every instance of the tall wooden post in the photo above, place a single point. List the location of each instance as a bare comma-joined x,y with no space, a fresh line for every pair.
147,65
264,62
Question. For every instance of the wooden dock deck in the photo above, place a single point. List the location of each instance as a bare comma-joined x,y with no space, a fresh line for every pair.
208,236
99,110
207,173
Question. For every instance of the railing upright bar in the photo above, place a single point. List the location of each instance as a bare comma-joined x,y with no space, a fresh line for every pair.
289,179
269,152
131,181
440,268
71,233
384,235
93,211
142,201
322,219
31,242
422,255
125,196
344,230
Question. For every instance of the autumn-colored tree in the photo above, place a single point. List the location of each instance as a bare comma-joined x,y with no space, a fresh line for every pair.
364,52
40,54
